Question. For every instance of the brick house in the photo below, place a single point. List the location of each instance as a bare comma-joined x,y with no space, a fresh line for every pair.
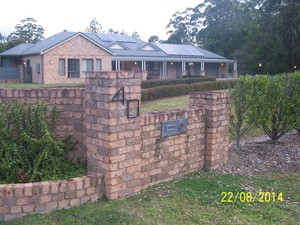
68,56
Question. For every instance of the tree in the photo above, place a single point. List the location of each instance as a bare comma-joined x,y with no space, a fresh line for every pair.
136,35
254,32
112,31
184,26
153,39
94,27
28,30
2,43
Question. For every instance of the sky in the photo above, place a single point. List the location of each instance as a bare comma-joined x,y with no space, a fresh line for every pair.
146,17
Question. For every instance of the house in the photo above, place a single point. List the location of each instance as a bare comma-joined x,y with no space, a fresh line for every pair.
68,57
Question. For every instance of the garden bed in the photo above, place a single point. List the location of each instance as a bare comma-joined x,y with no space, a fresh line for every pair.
259,155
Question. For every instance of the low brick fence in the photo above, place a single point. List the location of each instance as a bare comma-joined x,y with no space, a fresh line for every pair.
17,200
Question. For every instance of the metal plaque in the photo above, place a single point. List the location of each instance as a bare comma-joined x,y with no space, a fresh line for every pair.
173,127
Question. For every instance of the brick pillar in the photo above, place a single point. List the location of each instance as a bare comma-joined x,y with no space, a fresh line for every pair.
217,114
114,140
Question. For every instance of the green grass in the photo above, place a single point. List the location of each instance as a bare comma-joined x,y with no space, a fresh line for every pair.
195,199
166,104
27,85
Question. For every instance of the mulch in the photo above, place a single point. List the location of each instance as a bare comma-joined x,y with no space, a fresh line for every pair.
260,156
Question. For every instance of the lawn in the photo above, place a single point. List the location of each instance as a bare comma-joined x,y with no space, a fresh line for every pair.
166,104
195,199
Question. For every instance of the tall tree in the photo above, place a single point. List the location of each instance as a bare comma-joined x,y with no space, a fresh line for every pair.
136,35
184,26
153,39
94,27
263,35
28,30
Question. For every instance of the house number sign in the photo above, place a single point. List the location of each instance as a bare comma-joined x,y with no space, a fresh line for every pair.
132,106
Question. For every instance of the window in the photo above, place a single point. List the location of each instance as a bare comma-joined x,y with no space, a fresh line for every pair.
98,65
38,68
73,68
87,66
62,67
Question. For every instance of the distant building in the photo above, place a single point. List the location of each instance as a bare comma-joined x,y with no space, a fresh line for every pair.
68,57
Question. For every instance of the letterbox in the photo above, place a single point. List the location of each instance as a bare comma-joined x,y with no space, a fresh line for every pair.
173,127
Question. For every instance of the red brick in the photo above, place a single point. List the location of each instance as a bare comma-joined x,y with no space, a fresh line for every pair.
4,210
9,192
22,201
19,190
46,198
28,208
63,204
15,209
28,189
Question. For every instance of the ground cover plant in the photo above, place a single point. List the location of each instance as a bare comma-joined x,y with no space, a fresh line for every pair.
29,148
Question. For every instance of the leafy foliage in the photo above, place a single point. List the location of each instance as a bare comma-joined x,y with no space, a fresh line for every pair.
240,109
28,30
259,32
270,103
29,151
94,27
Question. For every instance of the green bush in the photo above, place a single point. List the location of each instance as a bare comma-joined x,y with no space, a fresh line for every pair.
271,103
29,151
184,89
191,80
240,109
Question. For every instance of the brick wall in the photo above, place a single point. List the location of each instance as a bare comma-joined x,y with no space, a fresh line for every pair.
70,104
174,156
130,152
18,200
217,116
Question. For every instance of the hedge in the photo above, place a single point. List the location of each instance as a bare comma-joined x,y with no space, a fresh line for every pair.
184,89
156,83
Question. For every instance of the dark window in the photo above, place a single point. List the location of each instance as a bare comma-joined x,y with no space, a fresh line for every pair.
73,68
38,68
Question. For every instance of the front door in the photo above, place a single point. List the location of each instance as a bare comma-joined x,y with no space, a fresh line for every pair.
28,72
178,70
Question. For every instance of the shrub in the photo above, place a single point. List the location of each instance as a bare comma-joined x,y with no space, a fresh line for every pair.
191,80
240,109
184,89
272,103
29,151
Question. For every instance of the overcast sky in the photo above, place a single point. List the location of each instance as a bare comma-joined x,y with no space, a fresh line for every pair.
147,17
